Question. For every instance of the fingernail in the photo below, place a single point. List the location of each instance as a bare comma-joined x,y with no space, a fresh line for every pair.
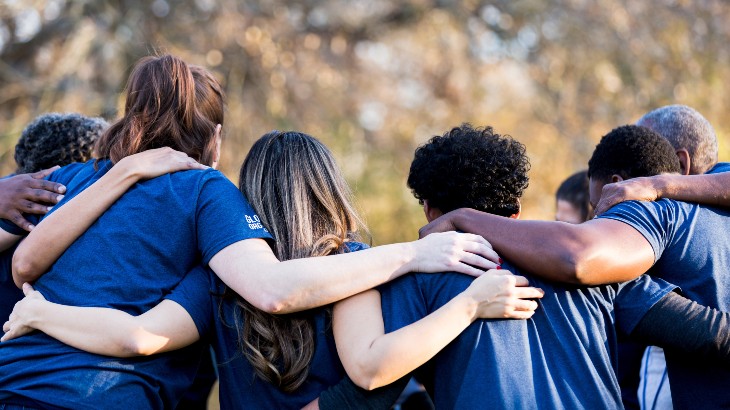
498,267
48,208
59,198
500,261
61,189
30,227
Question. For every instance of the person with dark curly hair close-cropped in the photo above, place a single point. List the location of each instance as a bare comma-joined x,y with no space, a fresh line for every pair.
50,141
563,356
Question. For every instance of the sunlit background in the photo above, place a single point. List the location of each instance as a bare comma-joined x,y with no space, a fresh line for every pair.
374,79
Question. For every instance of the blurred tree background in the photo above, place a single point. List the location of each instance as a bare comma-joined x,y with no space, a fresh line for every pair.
374,79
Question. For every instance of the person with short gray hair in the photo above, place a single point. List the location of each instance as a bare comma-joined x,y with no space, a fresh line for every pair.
687,130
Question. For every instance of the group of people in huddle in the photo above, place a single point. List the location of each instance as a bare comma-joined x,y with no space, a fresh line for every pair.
140,263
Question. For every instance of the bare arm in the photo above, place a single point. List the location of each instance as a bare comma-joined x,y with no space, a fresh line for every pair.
707,189
47,242
167,326
595,252
250,268
373,359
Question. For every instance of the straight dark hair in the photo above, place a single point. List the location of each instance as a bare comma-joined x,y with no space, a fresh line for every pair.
160,111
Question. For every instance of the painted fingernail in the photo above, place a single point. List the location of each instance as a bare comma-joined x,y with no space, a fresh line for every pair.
500,261
498,267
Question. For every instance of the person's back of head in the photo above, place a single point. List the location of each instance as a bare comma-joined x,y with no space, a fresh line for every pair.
470,167
298,191
632,151
161,110
572,199
57,139
687,129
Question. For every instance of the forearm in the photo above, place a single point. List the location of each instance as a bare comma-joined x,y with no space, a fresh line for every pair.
676,322
102,331
347,395
396,354
47,242
300,284
708,189
592,253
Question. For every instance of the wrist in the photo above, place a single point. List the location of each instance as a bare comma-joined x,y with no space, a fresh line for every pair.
468,304
661,184
34,313
408,254
125,172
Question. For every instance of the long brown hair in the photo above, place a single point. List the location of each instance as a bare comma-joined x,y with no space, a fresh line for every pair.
296,188
160,110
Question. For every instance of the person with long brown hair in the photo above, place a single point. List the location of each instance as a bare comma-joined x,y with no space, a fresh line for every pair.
126,257
266,360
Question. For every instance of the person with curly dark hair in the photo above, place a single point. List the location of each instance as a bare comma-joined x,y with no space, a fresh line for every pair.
563,356
471,151
683,243
50,141
571,199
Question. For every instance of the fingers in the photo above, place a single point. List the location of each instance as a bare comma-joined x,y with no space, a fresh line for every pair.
477,261
44,173
18,219
524,305
46,185
27,288
482,250
528,292
468,270
519,314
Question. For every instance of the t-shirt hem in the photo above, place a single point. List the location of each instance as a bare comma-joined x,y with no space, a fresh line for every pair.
651,300
639,229
212,251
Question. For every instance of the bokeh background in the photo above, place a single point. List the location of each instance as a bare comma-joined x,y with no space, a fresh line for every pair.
373,79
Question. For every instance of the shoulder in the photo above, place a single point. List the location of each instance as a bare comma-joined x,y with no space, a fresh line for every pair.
355,246
66,174
719,167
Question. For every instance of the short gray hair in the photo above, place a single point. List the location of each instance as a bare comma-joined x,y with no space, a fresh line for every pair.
685,128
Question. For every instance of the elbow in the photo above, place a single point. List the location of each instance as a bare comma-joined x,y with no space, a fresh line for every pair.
274,303
366,376
573,264
24,269
136,345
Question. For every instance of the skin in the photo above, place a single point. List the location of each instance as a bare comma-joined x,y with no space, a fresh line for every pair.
374,359
596,252
566,212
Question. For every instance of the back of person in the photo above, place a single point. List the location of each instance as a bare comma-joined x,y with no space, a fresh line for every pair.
130,259
561,358
692,245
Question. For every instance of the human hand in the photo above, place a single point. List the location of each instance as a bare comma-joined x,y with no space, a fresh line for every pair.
30,194
501,295
454,252
19,322
444,223
155,162
635,189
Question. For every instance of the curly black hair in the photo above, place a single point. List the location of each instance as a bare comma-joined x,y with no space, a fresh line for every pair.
470,167
57,139
632,151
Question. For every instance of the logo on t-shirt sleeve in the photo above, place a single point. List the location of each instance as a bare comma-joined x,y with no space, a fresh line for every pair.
254,222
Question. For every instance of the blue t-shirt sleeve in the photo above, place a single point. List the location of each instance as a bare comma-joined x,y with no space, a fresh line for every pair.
193,294
655,221
402,303
636,297
719,167
223,216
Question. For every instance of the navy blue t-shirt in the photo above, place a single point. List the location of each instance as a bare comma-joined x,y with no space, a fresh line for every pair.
9,293
130,259
561,358
240,387
691,246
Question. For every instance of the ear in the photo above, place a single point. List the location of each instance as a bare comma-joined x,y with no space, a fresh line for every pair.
685,163
218,141
431,213
616,178
519,211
